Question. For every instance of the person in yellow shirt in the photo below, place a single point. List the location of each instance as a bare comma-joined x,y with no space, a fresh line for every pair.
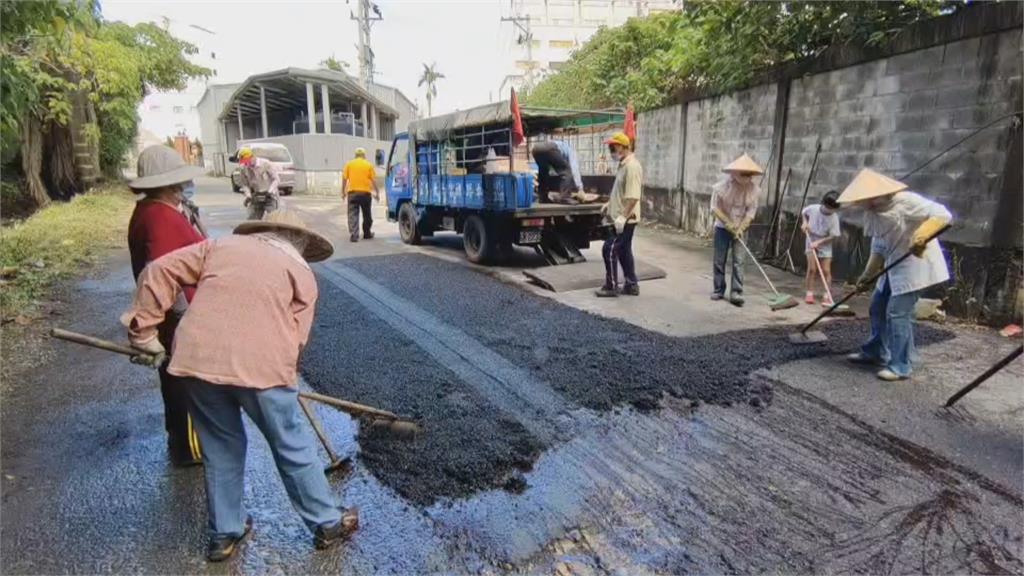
359,180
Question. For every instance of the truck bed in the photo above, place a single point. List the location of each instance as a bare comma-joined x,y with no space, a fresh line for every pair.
549,210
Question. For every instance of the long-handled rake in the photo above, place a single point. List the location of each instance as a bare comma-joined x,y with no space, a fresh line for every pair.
808,336
781,301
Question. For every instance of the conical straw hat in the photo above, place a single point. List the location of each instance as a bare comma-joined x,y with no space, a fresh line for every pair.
317,247
744,164
870,184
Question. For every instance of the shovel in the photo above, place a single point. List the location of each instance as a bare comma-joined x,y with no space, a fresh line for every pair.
781,301
804,336
842,310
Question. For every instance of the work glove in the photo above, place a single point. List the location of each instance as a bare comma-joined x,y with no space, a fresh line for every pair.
604,209
919,240
152,353
620,224
247,201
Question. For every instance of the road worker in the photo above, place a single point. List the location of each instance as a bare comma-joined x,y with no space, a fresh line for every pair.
159,225
622,211
260,182
558,157
820,224
237,350
359,181
898,221
734,205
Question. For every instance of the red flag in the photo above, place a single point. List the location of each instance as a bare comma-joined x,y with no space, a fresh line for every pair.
518,135
630,126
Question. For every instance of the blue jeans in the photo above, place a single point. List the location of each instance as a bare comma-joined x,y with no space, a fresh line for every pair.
217,413
618,250
724,243
892,329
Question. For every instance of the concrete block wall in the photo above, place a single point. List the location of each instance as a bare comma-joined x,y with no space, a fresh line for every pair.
659,148
894,114
717,131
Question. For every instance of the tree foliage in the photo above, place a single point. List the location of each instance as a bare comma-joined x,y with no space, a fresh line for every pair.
332,63
429,78
55,54
716,44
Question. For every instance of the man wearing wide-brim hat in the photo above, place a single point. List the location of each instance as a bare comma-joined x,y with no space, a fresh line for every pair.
237,349
734,205
898,221
163,221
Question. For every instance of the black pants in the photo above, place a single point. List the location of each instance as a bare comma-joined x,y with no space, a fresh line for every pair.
618,250
182,440
359,201
550,159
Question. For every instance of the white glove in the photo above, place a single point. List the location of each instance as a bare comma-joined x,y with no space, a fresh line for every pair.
152,353
620,224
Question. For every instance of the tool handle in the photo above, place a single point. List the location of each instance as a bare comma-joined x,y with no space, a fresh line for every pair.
754,260
350,407
821,273
874,278
94,342
988,374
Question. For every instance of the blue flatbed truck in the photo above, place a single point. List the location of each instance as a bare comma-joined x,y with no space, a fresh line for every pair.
461,172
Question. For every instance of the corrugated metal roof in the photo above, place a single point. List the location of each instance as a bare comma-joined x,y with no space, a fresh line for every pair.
285,88
500,112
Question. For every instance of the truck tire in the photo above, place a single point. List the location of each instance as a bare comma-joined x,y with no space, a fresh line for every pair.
478,240
408,227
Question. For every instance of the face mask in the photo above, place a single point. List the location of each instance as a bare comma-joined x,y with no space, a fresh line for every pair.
188,189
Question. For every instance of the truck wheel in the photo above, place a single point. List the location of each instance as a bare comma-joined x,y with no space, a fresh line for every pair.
408,228
478,240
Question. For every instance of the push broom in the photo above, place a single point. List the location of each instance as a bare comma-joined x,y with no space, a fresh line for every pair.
781,301
808,336
842,310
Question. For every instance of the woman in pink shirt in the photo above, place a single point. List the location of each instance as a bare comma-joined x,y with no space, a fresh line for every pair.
237,349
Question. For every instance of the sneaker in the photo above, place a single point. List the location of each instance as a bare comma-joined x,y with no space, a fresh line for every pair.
220,548
889,375
717,296
862,358
326,536
827,302
631,290
607,292
736,300
353,239
809,298
368,236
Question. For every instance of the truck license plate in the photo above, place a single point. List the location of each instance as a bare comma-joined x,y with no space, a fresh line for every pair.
529,236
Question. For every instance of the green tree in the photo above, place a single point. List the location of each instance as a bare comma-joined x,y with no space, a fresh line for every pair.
429,78
716,44
59,57
332,63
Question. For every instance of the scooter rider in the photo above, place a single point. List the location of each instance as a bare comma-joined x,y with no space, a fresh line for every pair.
260,180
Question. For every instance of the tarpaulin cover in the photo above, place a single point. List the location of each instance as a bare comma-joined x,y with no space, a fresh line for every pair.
439,127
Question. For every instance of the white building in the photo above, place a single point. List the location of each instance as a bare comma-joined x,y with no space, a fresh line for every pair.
278,106
545,32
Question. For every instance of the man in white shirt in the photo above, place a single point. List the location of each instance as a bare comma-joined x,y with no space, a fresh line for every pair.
734,205
897,221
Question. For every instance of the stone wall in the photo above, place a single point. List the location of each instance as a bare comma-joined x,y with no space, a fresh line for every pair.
892,108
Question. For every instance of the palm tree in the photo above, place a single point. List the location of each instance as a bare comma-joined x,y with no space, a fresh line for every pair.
430,77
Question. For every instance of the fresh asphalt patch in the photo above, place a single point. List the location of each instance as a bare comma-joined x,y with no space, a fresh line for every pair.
474,438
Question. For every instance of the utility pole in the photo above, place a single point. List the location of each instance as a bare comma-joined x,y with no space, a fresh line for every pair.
364,21
522,23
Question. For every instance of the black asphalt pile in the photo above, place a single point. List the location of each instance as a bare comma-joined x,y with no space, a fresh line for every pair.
468,445
595,362
601,362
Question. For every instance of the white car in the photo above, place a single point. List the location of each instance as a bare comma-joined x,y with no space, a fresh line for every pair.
278,155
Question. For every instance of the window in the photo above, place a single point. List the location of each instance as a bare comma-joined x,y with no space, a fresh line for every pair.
179,109
526,64
557,65
562,44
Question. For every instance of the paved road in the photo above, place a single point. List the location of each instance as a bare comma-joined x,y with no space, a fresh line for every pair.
555,440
